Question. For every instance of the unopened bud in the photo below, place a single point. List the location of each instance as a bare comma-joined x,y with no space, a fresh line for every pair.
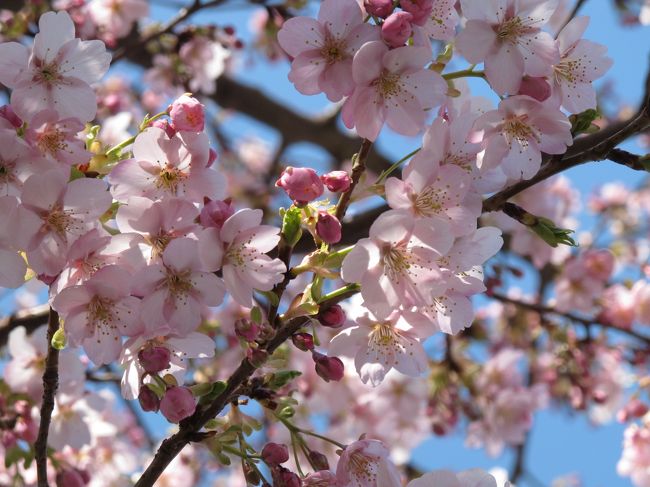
148,400
336,181
328,368
332,317
328,227
303,341
177,404
154,359
275,453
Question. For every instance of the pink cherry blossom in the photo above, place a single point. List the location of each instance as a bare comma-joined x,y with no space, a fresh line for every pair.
159,222
17,162
163,166
302,184
115,18
428,189
635,459
397,264
57,139
55,213
397,28
205,61
175,290
392,87
24,371
507,35
59,72
240,250
581,62
98,312
12,266
366,463
378,345
519,131
177,404
323,49
187,113
436,19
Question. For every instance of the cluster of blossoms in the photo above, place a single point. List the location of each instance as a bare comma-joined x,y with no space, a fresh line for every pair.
147,256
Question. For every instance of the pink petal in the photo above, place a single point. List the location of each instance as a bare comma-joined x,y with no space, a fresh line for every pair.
504,69
299,34
13,60
55,29
306,70
242,220
476,41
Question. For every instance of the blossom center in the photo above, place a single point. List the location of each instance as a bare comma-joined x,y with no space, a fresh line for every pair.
428,202
516,128
59,221
239,255
52,142
388,84
170,178
99,310
566,70
396,261
510,30
363,468
333,50
178,283
49,73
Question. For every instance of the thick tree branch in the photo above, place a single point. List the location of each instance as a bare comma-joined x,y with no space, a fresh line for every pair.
50,385
358,167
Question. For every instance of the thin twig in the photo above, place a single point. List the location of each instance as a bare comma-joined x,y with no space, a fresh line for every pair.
50,385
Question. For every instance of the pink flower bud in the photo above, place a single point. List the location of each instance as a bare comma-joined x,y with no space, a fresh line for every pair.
397,28
328,368
70,478
333,317
322,478
187,113
166,126
336,181
328,227
154,359
303,341
275,453
9,115
215,213
537,88
285,478
302,184
177,404
378,8
419,9
247,330
148,400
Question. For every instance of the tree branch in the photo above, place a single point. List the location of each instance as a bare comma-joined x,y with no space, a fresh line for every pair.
31,319
50,385
190,426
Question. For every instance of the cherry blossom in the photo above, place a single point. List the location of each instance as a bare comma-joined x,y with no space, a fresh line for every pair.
365,463
58,73
507,35
519,131
98,312
392,87
57,139
323,49
175,290
240,250
114,18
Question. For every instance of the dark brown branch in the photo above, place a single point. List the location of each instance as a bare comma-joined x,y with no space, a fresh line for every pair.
358,167
190,426
50,385
31,319
625,158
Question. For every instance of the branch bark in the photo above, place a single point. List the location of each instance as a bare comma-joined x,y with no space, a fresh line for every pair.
31,319
50,385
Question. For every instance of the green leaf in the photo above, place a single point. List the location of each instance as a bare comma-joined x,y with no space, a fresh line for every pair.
217,388
282,378
272,297
256,314
582,123
291,221
58,339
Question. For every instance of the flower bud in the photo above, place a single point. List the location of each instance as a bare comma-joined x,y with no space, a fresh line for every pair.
419,9
177,404
336,181
328,227
285,478
332,317
378,8
154,359
246,329
322,478
537,88
166,126
275,453
397,28
302,184
187,113
303,341
215,213
70,478
318,460
328,368
148,399
10,116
